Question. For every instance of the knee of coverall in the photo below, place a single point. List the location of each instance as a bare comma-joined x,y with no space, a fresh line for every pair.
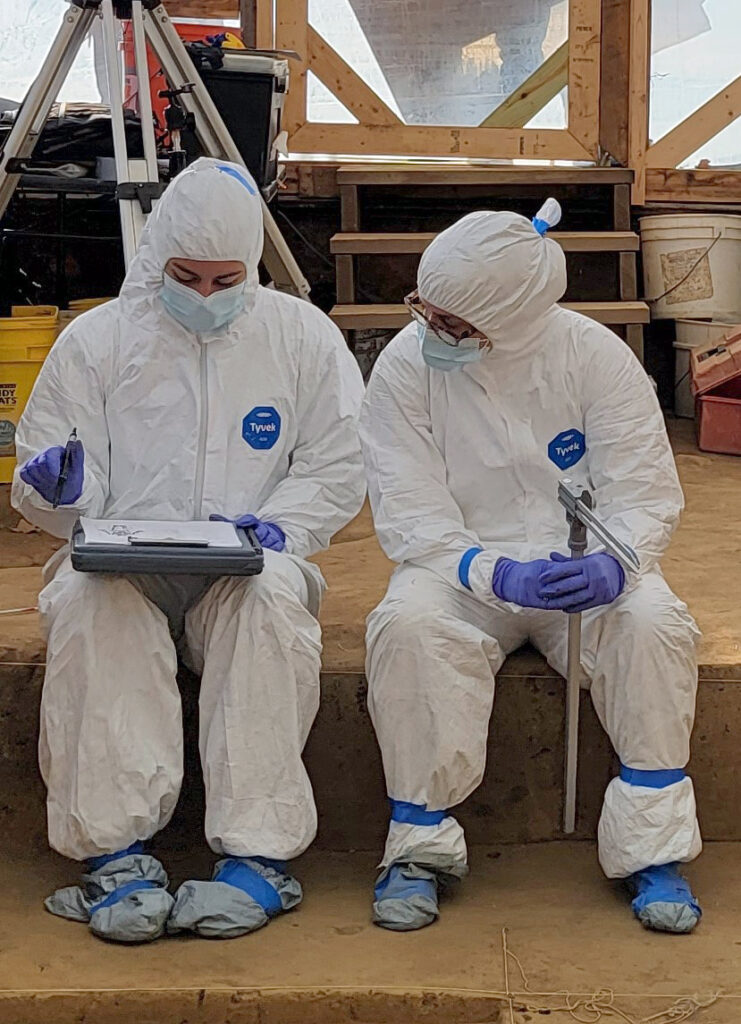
288,589
414,625
644,675
81,596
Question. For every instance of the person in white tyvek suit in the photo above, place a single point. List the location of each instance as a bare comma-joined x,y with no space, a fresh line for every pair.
473,414
196,393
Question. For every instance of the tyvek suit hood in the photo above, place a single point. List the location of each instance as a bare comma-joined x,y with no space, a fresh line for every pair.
211,211
495,271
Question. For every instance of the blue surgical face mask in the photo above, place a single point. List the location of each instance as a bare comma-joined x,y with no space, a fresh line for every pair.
441,356
198,313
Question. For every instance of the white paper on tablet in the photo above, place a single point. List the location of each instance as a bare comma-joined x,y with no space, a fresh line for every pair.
118,531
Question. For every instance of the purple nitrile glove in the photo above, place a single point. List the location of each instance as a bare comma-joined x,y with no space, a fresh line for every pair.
575,585
519,582
269,535
42,473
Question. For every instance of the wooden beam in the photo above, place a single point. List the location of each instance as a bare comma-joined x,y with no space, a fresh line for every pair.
701,126
669,185
421,140
203,8
615,79
584,72
292,33
395,316
640,69
248,21
529,99
264,25
385,243
477,174
345,84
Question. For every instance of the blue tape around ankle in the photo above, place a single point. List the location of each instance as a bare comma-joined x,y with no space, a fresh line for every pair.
658,779
465,564
121,893
242,876
96,863
414,814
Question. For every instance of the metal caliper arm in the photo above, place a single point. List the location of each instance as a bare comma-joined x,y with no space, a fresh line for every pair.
576,508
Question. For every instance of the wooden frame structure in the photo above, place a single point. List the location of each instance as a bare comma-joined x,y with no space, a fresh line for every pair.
658,176
606,64
380,131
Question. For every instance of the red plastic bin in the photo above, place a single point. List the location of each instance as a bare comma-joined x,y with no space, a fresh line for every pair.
716,385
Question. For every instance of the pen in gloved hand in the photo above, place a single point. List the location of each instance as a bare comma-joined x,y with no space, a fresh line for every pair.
64,471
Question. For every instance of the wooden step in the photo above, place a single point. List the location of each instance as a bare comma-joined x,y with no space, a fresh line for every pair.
478,174
386,243
393,316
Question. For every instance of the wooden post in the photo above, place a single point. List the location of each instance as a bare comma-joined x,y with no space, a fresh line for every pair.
248,21
640,71
349,208
292,33
615,79
345,280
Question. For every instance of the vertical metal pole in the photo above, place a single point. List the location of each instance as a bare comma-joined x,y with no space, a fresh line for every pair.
143,90
577,546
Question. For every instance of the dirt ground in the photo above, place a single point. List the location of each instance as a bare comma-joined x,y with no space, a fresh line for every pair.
571,931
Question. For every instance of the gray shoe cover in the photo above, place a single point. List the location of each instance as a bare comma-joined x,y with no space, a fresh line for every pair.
126,900
406,898
668,917
663,900
242,896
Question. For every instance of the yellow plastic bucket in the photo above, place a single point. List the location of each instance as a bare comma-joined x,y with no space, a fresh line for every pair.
25,341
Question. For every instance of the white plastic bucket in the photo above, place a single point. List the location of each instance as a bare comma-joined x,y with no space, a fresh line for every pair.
691,334
692,265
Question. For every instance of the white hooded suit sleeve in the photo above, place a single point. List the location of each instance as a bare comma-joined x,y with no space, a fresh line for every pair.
416,517
636,488
325,485
68,393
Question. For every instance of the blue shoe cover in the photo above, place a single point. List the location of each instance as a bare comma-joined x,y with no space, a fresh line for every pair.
405,898
664,900
123,897
242,896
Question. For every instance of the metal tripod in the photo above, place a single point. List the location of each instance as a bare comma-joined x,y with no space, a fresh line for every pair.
138,179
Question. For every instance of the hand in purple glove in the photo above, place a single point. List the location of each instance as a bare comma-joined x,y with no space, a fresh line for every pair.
268,534
42,473
575,585
519,582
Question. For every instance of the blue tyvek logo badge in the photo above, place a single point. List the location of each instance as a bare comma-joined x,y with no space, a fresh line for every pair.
261,427
567,448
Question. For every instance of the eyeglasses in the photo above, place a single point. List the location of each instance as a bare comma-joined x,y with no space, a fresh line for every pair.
439,323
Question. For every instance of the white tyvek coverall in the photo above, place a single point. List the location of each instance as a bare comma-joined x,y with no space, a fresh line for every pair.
461,459
160,412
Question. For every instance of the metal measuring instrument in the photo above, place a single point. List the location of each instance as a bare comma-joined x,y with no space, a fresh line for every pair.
581,518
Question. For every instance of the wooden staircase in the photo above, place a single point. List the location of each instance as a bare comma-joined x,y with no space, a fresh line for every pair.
625,313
